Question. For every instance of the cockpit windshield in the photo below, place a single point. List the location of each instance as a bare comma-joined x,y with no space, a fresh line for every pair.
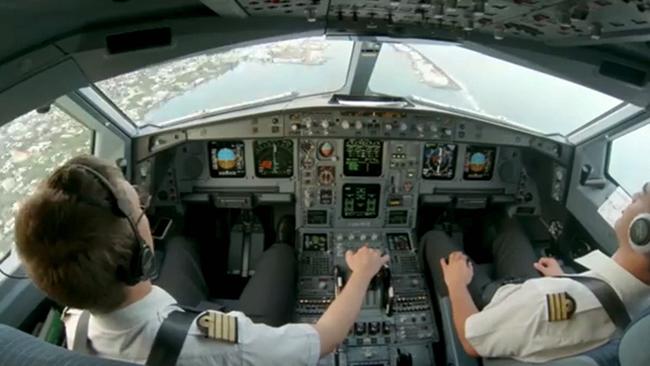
440,73
213,80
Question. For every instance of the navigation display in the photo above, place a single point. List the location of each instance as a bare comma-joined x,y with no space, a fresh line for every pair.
227,159
314,242
362,157
361,201
273,158
439,161
479,163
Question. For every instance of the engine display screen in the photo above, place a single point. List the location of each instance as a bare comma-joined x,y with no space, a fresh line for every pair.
361,201
439,161
479,163
362,157
227,159
314,242
273,158
398,241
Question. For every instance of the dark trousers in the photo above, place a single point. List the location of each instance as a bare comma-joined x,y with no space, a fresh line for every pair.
269,297
513,260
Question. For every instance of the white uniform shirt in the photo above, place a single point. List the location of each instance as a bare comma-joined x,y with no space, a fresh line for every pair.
128,334
516,323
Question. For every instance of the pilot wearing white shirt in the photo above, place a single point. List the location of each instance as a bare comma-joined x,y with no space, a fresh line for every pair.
543,318
85,241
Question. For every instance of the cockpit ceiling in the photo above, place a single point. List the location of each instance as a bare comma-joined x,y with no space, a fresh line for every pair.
552,22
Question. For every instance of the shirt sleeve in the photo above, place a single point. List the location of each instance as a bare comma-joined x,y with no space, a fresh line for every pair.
257,344
291,344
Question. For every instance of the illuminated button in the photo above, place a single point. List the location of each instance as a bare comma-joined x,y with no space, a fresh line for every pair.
345,124
295,127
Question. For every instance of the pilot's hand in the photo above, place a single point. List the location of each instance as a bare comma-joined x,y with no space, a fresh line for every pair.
457,270
366,262
548,266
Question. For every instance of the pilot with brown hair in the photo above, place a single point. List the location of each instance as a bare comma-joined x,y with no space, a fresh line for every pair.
86,242
530,318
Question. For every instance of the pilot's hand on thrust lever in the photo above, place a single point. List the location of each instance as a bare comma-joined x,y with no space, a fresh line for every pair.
366,261
457,270
548,267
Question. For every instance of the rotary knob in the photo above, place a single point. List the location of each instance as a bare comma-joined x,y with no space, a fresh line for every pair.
363,237
325,123
373,237
358,125
351,237
345,124
420,128
295,127
433,128
388,127
403,127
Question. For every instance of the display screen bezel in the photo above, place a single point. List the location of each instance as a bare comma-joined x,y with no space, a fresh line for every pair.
375,187
427,147
217,145
257,162
378,168
471,149
305,241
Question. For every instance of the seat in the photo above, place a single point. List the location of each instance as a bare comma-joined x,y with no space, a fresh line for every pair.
21,349
633,349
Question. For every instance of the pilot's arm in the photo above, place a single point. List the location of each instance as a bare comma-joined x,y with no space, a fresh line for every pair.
458,273
334,325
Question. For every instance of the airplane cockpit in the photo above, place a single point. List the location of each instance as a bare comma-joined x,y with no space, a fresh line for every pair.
356,123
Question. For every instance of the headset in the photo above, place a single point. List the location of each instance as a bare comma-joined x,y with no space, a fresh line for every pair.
143,264
639,230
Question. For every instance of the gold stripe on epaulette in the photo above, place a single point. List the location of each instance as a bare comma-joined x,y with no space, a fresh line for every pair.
560,306
218,326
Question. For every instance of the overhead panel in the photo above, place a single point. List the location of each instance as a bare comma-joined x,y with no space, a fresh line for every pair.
546,20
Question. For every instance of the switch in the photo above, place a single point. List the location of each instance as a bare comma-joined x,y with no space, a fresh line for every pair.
385,328
374,328
359,328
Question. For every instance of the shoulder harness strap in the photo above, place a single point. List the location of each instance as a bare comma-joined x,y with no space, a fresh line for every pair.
80,344
170,338
608,298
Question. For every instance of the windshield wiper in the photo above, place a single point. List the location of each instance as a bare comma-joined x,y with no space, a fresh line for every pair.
206,113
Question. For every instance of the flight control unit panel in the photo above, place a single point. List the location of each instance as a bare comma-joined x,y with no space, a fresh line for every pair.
354,179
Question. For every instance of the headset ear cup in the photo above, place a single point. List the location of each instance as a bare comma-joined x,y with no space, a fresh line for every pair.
639,234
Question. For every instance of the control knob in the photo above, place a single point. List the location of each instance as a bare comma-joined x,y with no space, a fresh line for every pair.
374,237
325,123
420,128
351,237
388,127
345,124
308,122
358,125
433,128
403,127
295,127
363,237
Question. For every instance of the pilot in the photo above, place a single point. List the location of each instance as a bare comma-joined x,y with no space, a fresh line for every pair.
529,318
79,250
